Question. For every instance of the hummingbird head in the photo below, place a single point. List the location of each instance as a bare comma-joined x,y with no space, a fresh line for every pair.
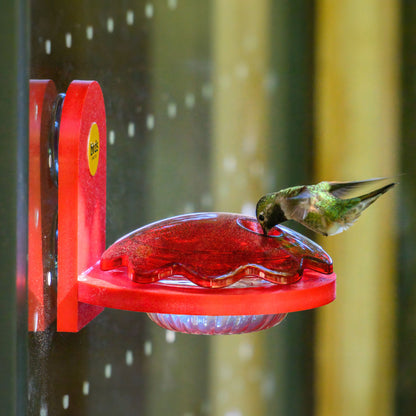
269,213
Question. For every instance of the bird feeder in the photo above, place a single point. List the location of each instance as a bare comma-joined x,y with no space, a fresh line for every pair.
202,273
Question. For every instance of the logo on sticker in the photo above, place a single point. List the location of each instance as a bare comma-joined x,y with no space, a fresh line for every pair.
93,148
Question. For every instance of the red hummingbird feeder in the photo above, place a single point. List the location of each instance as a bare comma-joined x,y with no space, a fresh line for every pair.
202,273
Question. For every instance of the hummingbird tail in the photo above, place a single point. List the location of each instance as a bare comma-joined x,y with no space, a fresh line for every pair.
372,196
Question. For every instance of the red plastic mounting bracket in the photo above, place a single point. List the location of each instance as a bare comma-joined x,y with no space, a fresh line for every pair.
81,198
42,208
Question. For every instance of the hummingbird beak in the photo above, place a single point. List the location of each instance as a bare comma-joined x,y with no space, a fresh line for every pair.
265,230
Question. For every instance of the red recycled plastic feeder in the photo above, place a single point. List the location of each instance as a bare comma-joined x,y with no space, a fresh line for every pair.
202,273
216,273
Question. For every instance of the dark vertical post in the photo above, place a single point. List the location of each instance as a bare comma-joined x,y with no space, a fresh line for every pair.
290,347
406,323
13,206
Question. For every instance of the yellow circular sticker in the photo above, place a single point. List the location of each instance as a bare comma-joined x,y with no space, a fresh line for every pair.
93,148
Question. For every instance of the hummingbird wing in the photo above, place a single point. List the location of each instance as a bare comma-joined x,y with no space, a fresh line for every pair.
297,207
340,189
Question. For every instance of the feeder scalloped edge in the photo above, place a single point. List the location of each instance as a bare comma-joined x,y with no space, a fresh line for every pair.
215,250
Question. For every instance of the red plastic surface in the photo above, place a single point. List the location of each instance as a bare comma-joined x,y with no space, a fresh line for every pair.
113,289
81,200
215,250
42,206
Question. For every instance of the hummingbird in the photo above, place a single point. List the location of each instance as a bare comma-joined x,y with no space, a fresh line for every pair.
319,207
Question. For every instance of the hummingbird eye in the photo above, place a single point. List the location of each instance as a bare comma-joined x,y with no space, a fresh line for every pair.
261,217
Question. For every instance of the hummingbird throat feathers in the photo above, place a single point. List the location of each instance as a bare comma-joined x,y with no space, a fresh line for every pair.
274,214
